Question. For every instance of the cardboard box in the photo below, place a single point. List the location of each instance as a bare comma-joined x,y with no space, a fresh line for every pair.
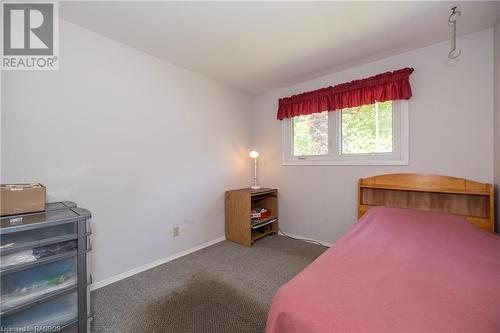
21,198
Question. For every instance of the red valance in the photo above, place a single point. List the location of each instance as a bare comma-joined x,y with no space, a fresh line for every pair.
379,88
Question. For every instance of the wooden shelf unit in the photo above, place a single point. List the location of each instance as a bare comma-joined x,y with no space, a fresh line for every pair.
239,204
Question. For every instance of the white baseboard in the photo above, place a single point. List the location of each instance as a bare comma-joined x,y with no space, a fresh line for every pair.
134,271
306,238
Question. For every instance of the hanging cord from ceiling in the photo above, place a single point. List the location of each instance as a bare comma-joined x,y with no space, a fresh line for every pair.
452,21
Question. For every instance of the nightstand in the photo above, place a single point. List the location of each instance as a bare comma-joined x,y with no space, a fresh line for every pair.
239,204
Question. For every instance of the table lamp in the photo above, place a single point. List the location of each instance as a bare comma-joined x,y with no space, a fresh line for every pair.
254,154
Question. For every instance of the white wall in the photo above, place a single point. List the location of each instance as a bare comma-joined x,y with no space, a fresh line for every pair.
497,121
143,144
146,145
451,133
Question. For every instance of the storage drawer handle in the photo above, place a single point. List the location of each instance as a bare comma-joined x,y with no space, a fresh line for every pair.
89,244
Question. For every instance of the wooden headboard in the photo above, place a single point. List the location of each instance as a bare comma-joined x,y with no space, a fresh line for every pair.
472,200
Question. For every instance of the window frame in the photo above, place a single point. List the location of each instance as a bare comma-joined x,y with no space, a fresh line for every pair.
399,155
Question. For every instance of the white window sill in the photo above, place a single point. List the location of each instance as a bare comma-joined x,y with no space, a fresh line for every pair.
345,162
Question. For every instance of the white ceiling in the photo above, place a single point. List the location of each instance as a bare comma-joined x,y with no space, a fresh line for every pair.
259,46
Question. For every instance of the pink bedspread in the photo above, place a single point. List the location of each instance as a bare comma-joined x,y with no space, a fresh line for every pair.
397,270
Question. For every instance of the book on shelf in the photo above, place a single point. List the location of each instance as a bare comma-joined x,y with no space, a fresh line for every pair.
260,213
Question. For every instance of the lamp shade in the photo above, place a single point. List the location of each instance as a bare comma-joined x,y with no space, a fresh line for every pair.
253,154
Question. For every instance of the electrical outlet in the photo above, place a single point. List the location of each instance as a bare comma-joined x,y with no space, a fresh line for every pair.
177,231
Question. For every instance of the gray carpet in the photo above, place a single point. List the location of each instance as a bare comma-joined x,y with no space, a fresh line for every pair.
222,288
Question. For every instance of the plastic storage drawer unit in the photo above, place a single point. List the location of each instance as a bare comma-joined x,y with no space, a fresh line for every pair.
43,269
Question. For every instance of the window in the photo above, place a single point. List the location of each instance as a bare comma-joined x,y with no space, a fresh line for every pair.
310,134
375,134
367,129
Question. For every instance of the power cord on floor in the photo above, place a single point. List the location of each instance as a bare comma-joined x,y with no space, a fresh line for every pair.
300,239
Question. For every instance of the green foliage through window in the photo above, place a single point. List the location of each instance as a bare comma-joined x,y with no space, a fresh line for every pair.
367,129
310,134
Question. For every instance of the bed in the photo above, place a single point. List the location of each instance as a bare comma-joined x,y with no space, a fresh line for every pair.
422,258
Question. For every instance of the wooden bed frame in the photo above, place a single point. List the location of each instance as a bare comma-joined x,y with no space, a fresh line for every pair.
472,200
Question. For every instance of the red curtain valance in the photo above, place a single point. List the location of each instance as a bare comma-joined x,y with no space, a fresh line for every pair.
379,88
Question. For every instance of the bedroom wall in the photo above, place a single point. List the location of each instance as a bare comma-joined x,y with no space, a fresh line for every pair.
497,121
143,144
451,133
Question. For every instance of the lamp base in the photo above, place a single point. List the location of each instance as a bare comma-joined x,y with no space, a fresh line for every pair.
255,187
